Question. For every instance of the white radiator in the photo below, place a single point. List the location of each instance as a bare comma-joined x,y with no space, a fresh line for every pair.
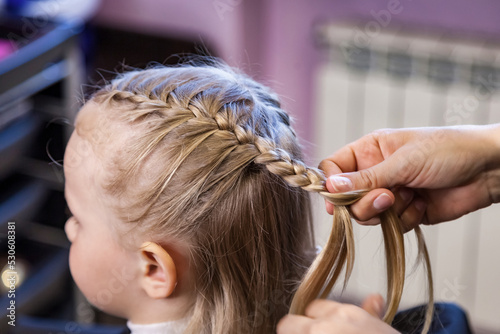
379,79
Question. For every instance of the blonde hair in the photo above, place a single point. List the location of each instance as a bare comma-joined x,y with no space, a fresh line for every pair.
338,254
230,180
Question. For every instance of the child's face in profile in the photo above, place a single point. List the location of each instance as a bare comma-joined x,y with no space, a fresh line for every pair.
101,267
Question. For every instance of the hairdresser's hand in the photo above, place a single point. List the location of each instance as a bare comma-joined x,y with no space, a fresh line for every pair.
329,317
434,174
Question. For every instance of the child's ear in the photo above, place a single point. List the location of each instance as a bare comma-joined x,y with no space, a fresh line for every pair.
159,276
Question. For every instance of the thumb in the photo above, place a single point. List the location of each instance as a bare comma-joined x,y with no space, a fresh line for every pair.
374,304
378,176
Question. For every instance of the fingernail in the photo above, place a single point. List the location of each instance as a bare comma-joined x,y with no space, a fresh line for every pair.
340,183
382,202
406,194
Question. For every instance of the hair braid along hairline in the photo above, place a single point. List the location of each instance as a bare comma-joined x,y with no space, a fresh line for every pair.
275,159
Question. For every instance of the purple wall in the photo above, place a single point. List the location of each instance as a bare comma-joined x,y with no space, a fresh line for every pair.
274,39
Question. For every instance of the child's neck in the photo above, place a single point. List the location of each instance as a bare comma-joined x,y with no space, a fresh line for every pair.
153,311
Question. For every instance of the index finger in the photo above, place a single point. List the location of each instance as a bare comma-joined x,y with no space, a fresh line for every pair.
342,161
361,154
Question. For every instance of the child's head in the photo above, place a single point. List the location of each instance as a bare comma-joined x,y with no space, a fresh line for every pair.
188,187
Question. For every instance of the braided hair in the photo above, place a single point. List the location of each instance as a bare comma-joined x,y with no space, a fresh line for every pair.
224,171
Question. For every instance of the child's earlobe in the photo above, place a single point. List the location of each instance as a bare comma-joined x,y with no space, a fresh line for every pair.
159,275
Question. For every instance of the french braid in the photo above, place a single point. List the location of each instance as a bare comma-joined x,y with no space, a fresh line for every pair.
339,250
202,106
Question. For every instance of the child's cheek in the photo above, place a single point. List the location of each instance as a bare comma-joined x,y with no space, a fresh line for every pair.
80,270
74,262
89,272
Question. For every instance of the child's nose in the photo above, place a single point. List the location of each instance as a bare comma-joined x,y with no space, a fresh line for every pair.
70,228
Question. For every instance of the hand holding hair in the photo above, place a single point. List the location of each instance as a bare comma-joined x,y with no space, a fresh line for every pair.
430,175
326,316
427,176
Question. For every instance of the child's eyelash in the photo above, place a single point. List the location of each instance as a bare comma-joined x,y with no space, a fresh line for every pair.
67,211
69,214
73,220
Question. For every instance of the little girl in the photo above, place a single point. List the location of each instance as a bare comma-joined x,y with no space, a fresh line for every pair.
189,202
190,206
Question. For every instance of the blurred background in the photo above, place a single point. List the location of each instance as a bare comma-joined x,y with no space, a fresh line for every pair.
342,69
